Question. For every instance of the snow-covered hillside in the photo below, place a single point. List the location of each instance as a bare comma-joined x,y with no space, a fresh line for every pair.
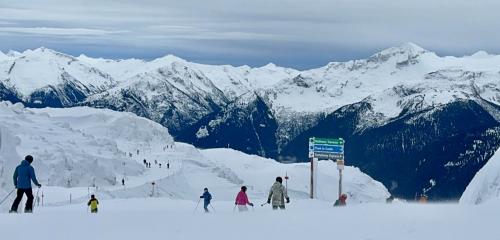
485,186
78,149
411,99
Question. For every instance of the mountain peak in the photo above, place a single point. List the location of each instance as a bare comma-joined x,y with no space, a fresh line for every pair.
406,50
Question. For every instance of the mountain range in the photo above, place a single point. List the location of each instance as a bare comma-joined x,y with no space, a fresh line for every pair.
413,120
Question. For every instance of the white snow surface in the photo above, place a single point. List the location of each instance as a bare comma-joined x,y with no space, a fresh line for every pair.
82,150
485,186
163,218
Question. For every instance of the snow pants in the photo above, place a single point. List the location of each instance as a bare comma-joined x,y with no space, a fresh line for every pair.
19,197
282,207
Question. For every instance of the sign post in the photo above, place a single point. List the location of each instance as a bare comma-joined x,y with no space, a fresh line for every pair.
325,149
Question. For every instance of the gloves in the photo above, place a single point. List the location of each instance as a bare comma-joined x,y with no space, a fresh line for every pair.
287,200
39,185
251,204
235,203
268,201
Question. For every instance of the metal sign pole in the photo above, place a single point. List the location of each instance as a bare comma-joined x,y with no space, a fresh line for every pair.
312,179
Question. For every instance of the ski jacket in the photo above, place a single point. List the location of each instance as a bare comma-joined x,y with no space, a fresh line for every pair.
93,204
277,194
242,199
23,175
207,197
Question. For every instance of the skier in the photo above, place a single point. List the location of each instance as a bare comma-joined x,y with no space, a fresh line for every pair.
160,165
278,194
123,181
168,165
137,151
207,197
242,200
145,162
341,201
149,164
93,203
156,162
23,175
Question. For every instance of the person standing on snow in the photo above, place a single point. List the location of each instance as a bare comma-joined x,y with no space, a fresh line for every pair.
278,194
23,175
207,197
242,200
341,201
93,203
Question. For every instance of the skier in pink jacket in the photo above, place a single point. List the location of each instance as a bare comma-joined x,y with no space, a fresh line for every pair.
242,200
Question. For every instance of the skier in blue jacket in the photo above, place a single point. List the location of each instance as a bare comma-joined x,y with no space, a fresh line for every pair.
207,197
23,175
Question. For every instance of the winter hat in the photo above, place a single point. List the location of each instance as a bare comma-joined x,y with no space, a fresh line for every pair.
205,189
279,179
29,158
244,188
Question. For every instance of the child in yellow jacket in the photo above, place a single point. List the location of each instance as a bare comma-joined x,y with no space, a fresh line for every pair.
93,203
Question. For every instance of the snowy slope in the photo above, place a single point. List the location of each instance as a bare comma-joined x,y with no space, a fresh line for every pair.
161,218
78,148
485,186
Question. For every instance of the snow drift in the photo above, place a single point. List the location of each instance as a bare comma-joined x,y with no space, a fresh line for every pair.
485,186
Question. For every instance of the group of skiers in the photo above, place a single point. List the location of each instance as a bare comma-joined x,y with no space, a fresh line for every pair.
24,174
277,197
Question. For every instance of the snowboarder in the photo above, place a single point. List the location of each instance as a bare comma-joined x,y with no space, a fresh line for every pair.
123,181
278,194
93,203
23,175
341,201
242,200
207,197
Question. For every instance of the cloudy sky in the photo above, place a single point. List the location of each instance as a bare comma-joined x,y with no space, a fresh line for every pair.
295,33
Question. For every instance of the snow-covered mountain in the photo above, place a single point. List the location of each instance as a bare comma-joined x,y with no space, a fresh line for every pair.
43,77
78,148
404,111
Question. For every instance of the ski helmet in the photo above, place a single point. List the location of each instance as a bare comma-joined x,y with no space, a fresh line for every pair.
29,158
244,188
279,179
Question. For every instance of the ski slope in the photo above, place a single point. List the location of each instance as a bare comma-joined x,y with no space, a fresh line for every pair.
163,218
80,151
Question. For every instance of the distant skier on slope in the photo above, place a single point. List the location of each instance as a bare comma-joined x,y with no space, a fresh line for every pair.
23,175
123,181
278,194
242,200
93,203
207,197
341,201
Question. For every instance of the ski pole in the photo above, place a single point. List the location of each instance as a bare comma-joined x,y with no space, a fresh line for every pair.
262,205
37,199
5,198
234,208
212,207
197,205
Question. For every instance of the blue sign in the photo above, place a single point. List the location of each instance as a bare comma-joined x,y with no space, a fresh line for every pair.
329,148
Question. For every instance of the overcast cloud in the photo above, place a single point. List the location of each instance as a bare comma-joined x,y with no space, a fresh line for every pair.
294,33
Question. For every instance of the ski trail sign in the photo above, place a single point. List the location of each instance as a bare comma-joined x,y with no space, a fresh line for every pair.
326,148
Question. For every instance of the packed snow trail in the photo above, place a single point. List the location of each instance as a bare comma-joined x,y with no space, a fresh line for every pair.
162,218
